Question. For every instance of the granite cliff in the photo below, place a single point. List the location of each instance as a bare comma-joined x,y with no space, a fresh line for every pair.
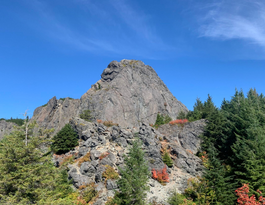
128,93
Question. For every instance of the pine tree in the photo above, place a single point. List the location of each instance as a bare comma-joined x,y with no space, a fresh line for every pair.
65,140
134,177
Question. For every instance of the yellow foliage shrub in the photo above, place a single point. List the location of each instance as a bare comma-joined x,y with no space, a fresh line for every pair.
109,123
110,173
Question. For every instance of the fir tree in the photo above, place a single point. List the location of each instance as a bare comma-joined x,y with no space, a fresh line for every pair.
134,177
65,140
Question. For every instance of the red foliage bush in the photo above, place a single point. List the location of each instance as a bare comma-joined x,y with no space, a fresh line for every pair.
243,197
160,175
181,121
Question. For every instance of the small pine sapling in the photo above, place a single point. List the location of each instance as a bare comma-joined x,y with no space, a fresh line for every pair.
167,159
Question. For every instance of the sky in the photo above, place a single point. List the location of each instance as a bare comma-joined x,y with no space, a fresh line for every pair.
60,47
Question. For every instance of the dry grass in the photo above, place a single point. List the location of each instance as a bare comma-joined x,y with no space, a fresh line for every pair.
110,173
110,123
83,159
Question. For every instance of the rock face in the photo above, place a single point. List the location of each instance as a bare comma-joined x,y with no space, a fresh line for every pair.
107,145
56,113
5,128
128,93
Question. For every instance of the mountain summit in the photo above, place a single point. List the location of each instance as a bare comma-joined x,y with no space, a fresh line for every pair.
129,92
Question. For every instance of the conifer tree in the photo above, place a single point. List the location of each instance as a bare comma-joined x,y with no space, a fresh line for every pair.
27,173
159,120
134,177
219,179
167,159
65,140
181,115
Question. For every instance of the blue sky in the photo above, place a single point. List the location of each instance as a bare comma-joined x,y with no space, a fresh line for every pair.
60,47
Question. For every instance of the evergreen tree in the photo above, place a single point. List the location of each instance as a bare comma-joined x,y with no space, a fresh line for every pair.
65,140
201,110
167,159
134,177
167,119
27,173
159,120
219,179
249,154
181,115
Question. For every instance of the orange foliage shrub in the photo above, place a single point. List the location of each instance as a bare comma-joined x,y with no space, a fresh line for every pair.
181,121
161,175
99,121
205,159
243,197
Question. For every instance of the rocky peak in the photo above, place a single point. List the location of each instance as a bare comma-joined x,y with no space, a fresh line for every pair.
128,93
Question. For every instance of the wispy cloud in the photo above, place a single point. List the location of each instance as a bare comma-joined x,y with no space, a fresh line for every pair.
237,19
114,27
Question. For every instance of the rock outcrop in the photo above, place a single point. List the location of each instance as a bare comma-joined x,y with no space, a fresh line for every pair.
106,146
56,113
5,128
128,93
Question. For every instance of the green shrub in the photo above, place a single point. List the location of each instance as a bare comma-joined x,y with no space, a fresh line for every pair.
167,119
167,159
161,120
86,115
89,193
65,140
179,199
110,173
182,115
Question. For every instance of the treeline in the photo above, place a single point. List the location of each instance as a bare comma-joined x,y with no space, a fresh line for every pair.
17,121
233,149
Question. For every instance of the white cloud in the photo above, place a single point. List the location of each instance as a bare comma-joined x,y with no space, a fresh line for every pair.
114,26
237,19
